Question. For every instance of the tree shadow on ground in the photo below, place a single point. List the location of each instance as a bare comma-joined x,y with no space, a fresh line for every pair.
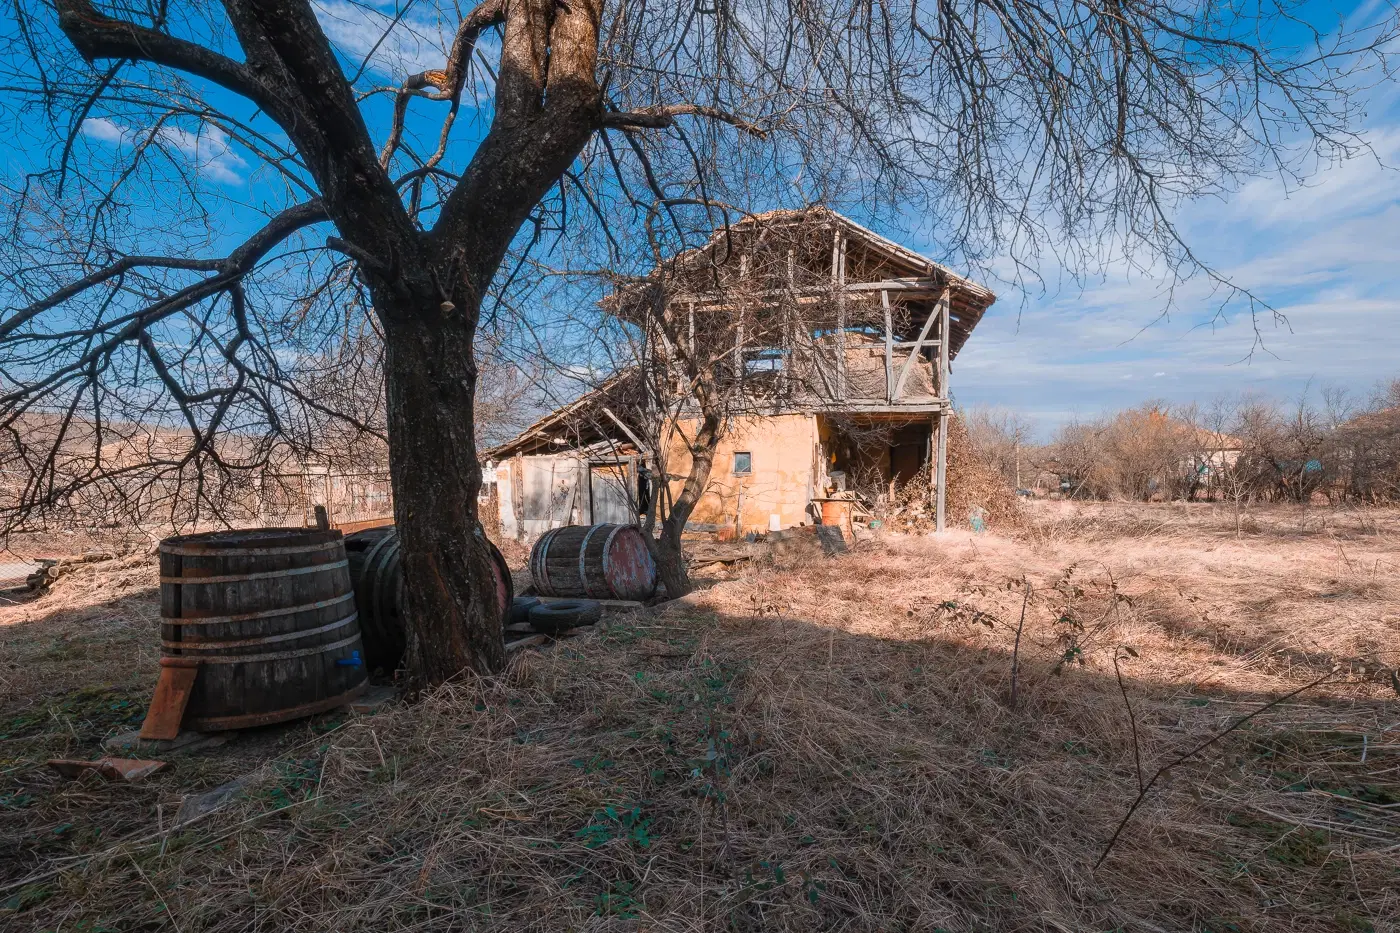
692,767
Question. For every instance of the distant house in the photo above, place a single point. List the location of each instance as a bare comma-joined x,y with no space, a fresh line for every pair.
1213,454
834,344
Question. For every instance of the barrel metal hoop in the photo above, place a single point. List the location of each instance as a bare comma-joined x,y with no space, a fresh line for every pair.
273,655
250,551
542,578
261,614
265,639
583,561
262,575
607,559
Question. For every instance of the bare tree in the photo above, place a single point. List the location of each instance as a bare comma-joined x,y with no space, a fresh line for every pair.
133,295
1001,437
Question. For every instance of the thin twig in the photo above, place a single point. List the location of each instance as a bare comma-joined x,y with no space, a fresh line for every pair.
1142,794
1016,650
1132,717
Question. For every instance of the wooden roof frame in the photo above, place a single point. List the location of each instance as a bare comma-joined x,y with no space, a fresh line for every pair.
923,279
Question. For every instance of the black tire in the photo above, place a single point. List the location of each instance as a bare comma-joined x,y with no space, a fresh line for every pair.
520,609
564,614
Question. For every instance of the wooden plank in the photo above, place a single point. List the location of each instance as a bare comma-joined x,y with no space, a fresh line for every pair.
170,699
889,346
913,355
897,285
352,527
838,281
526,642
941,503
626,430
945,305
605,603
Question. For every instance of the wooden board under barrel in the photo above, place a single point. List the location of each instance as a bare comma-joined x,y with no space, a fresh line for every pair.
593,561
270,615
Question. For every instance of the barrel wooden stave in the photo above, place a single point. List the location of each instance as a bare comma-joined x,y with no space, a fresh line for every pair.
376,569
594,562
269,642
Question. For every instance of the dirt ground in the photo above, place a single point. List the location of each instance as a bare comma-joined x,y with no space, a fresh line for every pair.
929,733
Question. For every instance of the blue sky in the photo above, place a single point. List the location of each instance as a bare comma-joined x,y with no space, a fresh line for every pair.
1327,256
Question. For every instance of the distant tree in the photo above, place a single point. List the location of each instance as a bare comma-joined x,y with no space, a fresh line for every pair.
1003,438
135,292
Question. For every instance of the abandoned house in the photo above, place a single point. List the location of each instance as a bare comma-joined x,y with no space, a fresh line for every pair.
829,348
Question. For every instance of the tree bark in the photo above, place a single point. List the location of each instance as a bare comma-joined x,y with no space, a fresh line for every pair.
666,548
453,620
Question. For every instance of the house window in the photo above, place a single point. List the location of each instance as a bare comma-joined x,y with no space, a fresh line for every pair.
743,463
769,360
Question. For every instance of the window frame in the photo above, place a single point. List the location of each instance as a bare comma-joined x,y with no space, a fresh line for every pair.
734,467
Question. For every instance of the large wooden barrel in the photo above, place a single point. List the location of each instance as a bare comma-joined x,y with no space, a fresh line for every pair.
596,561
270,616
376,572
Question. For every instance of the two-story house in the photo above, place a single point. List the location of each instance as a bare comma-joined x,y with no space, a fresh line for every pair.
828,348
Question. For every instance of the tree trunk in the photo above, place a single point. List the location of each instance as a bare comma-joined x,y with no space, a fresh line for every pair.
453,623
666,549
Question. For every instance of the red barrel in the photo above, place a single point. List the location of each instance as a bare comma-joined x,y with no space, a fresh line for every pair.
594,561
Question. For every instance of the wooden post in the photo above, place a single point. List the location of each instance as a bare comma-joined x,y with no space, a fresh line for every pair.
838,280
944,340
889,347
944,310
739,350
941,504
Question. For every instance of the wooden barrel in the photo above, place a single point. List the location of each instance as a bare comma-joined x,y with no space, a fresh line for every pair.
270,616
376,572
596,561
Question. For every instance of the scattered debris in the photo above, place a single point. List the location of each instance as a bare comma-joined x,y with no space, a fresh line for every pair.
130,770
375,699
186,743
832,540
529,642
196,805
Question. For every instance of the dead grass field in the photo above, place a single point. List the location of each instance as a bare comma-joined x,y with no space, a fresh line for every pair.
815,744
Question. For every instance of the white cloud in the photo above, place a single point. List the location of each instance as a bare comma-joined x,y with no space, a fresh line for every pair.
391,45
208,149
103,129
1326,256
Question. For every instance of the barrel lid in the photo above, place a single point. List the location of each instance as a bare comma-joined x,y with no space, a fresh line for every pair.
251,539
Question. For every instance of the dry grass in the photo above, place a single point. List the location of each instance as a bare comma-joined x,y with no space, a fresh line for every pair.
825,747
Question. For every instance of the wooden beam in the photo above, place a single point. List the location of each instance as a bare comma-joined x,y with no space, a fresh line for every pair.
838,281
941,504
889,347
944,339
897,285
914,353
626,430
